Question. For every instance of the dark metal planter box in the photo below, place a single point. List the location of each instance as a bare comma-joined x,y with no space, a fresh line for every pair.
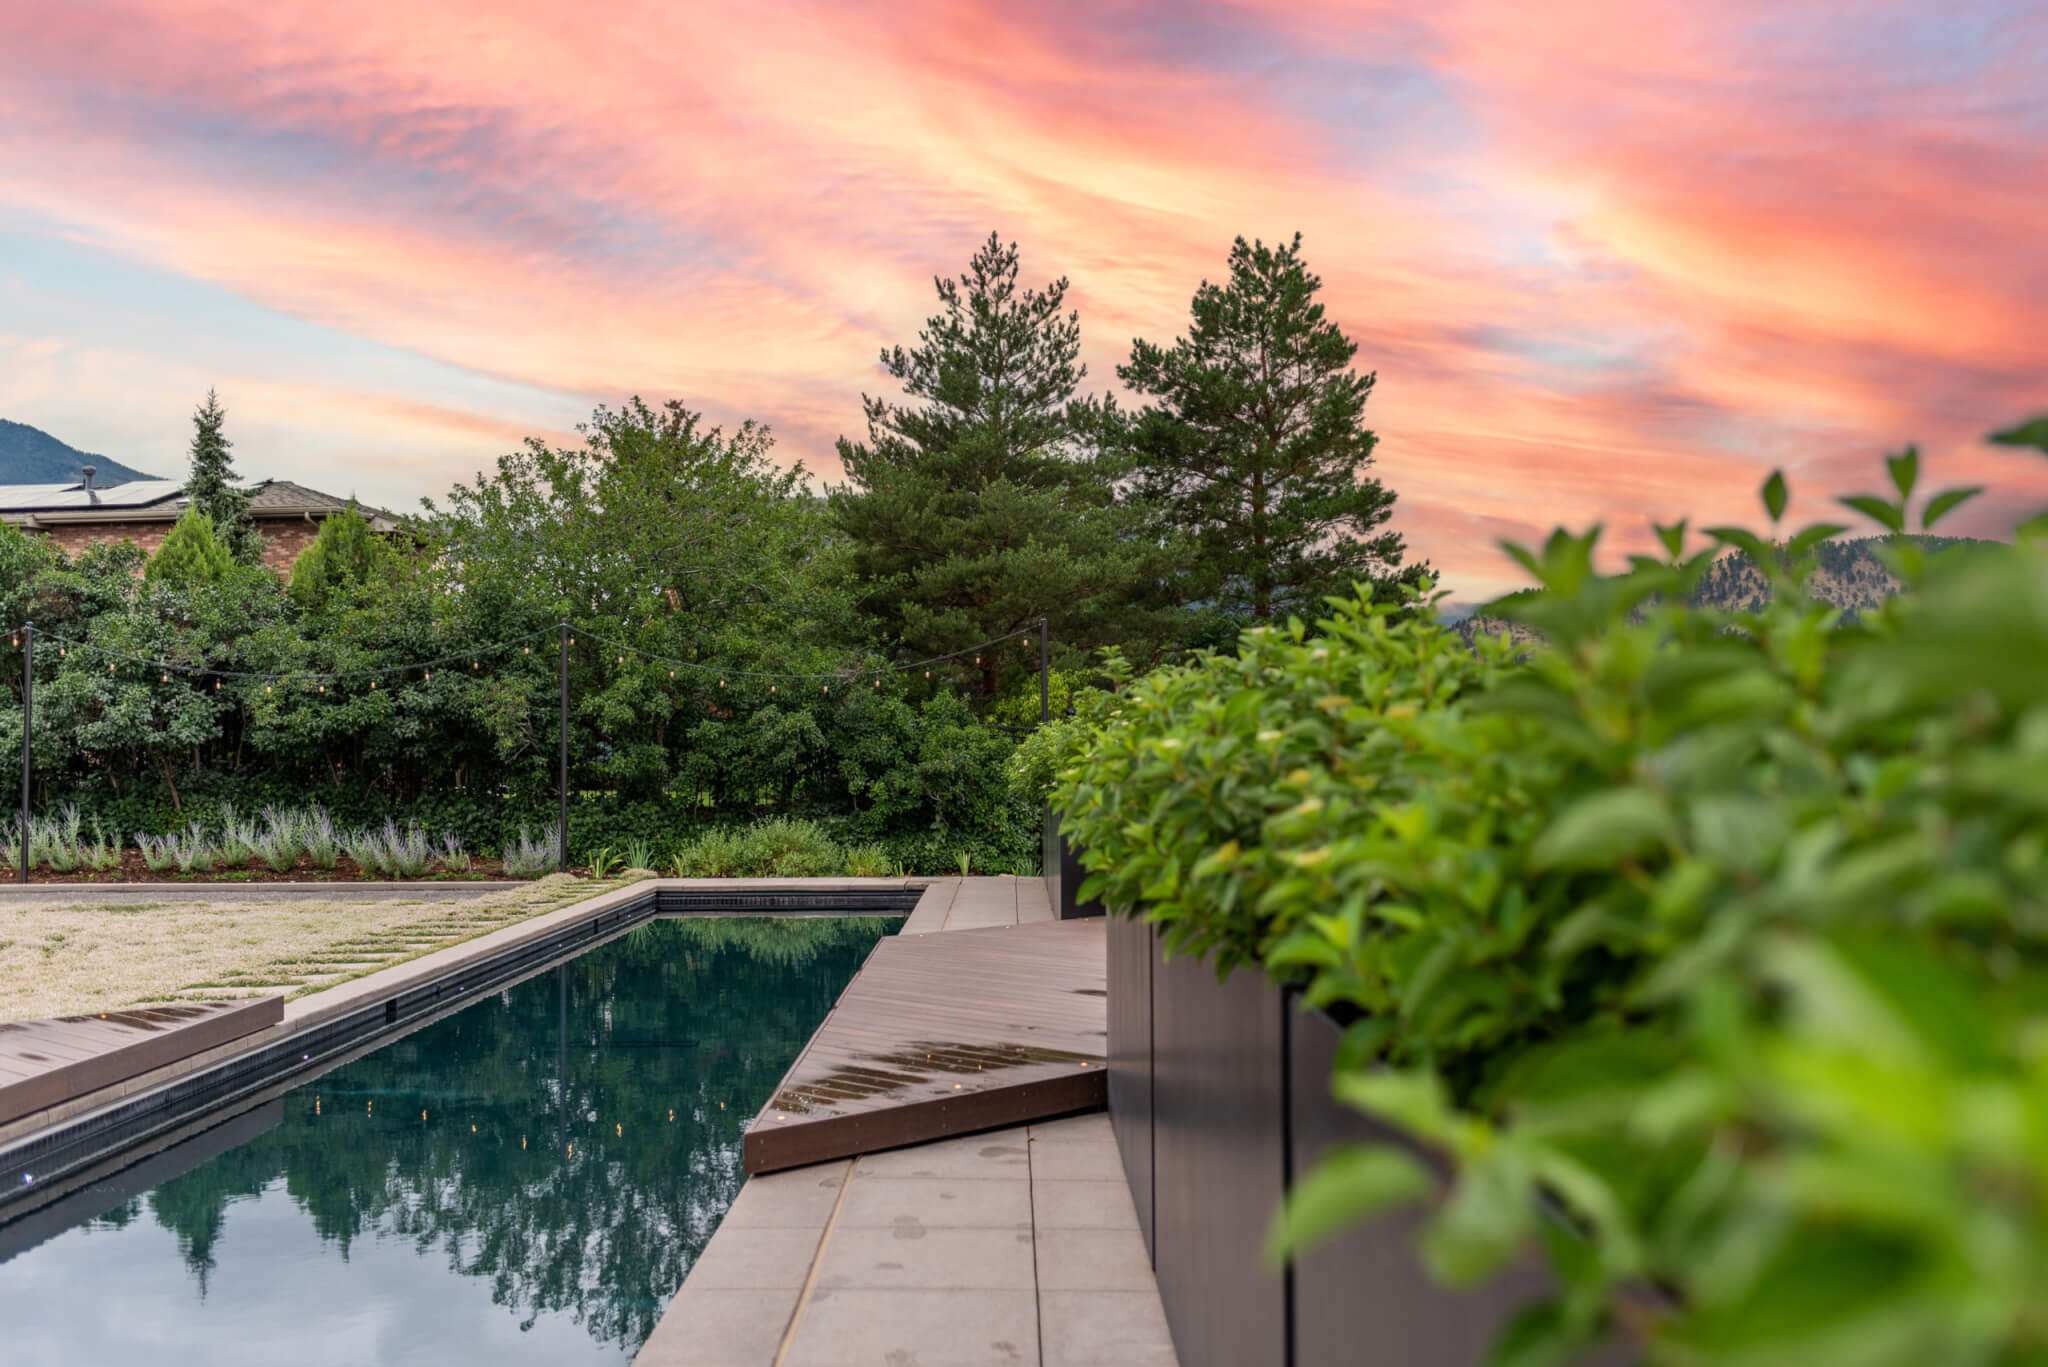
1063,873
1219,1096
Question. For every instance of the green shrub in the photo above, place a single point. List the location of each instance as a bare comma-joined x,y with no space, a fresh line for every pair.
714,854
867,861
190,554
1722,933
787,847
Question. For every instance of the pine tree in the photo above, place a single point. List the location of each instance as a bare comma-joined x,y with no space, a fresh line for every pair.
346,553
1257,449
190,554
211,487
992,501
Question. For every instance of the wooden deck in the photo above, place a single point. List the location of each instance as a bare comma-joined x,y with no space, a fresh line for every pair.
944,1034
46,1062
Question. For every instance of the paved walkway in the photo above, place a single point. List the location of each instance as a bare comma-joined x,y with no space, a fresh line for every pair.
1018,1246
1015,1247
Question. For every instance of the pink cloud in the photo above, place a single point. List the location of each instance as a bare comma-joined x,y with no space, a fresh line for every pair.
1626,258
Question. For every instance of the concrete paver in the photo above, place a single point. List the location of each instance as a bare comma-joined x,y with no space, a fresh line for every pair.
931,1259
926,1327
719,1328
1083,1205
936,1203
1104,1329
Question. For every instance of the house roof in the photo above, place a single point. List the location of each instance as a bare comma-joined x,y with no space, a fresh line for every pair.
162,500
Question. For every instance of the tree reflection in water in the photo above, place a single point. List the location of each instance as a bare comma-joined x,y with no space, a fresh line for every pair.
573,1140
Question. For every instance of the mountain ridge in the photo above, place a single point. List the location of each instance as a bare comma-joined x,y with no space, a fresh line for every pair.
29,455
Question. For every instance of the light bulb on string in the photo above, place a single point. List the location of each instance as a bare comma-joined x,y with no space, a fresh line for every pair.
167,676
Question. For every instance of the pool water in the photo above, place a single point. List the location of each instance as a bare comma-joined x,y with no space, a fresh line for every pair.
526,1181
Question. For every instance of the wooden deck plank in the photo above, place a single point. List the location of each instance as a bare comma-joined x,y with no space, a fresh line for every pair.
46,1062
943,1034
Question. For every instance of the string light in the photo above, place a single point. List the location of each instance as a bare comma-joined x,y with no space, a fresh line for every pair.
167,676
266,688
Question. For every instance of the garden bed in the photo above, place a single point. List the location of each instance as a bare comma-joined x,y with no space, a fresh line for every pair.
132,869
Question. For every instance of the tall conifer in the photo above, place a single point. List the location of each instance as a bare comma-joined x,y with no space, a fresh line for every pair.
211,487
1257,449
990,501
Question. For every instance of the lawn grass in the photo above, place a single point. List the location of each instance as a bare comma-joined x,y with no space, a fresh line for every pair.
60,958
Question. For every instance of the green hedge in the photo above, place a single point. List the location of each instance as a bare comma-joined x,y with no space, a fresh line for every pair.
1724,933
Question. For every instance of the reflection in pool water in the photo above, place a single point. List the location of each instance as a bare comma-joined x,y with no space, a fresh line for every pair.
525,1181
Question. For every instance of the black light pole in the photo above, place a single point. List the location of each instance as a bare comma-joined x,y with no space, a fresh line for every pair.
562,821
1044,674
28,707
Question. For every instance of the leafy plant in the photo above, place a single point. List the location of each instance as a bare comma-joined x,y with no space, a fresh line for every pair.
602,863
867,861
100,853
639,853
318,836
407,852
278,841
966,863
193,852
453,857
159,852
789,847
527,857
1719,932
714,854
237,843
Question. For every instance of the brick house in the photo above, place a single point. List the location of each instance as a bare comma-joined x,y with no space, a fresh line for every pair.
287,515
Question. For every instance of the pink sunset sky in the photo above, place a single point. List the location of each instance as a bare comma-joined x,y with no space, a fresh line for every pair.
1611,259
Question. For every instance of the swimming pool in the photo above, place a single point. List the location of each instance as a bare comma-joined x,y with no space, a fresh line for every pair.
526,1180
